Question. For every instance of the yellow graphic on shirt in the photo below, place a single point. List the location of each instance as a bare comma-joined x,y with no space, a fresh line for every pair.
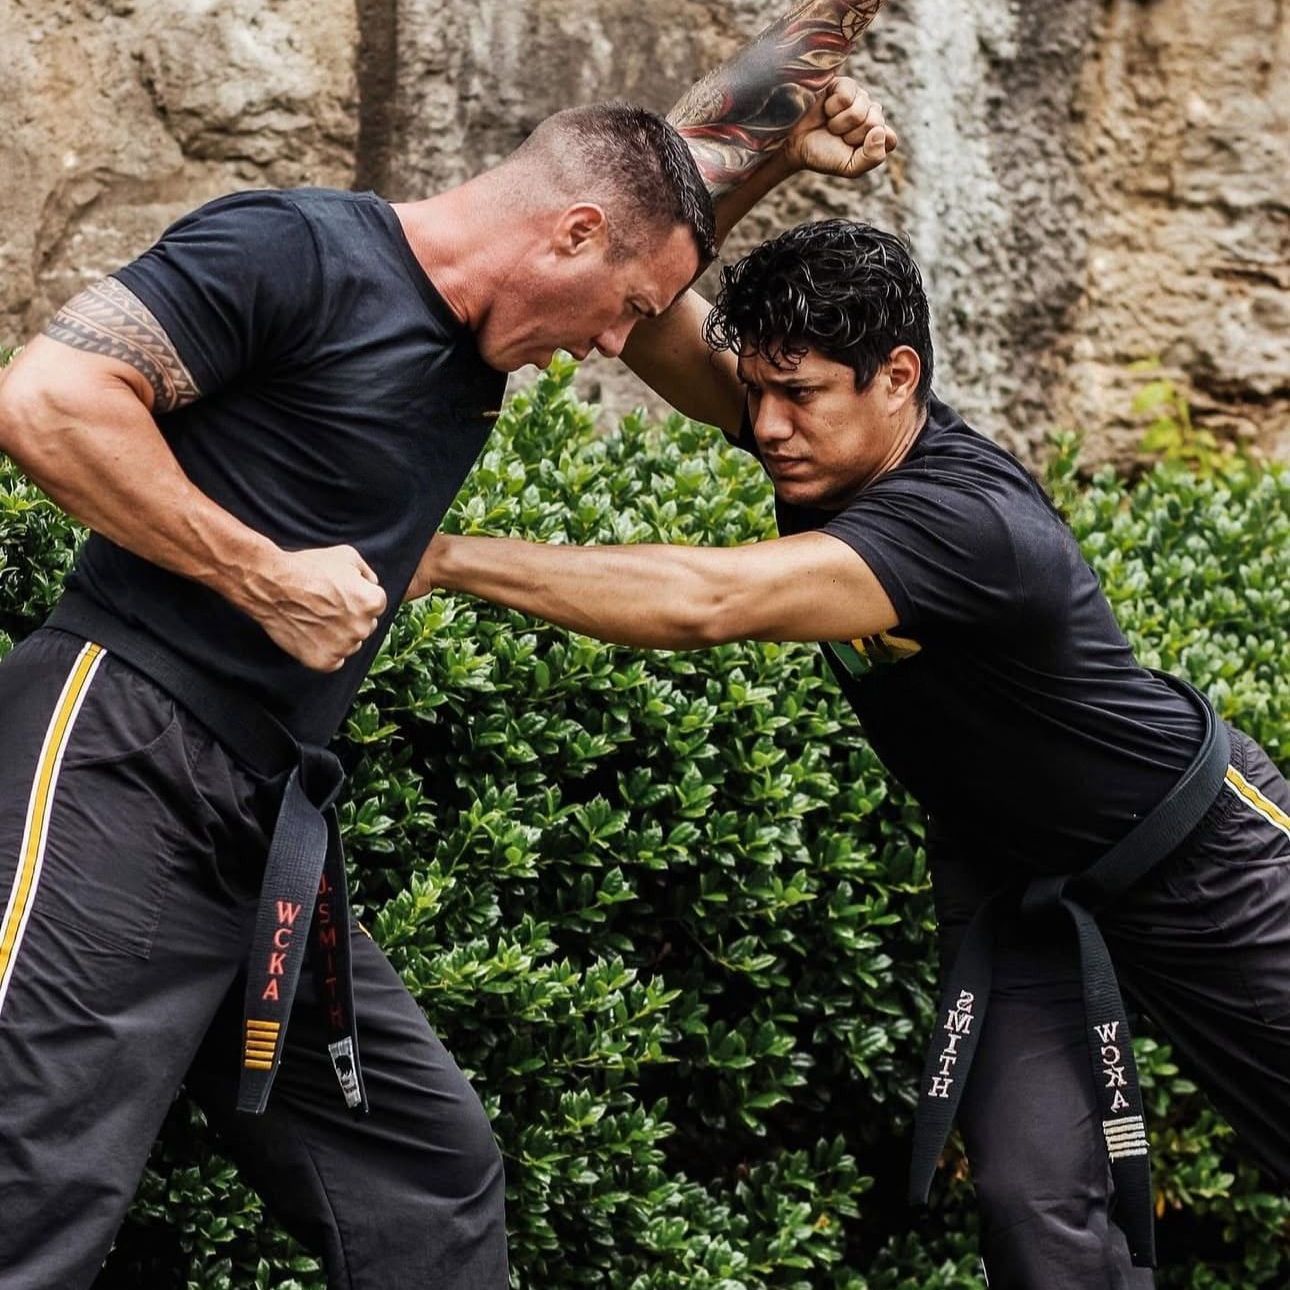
862,655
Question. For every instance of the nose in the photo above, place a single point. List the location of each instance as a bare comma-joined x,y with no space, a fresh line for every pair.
610,342
771,424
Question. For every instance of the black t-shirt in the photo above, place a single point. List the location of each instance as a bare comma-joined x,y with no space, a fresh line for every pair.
341,402
1006,699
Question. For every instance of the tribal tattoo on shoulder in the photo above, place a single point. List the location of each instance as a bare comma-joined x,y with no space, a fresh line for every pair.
738,114
109,319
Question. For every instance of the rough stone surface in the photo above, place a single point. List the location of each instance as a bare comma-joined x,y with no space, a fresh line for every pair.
1188,212
119,117
1086,184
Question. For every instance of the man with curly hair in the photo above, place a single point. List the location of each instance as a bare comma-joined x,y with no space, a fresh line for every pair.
1086,816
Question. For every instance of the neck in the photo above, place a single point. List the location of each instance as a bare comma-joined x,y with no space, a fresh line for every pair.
911,425
464,244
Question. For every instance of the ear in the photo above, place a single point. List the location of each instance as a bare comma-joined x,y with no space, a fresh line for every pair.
579,228
904,368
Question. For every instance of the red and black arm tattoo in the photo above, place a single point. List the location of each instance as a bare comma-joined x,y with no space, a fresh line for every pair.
738,114
110,320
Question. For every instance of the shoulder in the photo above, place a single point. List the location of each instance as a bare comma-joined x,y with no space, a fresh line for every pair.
953,468
963,527
253,207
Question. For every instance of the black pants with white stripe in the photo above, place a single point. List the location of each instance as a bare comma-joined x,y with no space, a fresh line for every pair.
131,848
1201,946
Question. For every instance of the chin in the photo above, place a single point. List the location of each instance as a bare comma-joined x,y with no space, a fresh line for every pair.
798,492
812,494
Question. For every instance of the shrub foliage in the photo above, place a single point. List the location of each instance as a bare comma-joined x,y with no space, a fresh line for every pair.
670,914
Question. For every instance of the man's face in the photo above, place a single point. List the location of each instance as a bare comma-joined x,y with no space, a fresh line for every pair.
821,439
577,297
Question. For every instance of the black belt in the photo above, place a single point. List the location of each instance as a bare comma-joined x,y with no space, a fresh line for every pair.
1080,895
304,885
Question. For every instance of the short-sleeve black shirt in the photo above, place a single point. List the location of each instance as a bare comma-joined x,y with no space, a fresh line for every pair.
1007,699
341,402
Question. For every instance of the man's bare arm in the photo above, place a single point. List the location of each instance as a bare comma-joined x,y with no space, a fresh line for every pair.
743,111
775,108
844,133
110,320
76,414
811,586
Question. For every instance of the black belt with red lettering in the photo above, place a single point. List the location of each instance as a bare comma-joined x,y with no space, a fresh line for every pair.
1079,896
303,891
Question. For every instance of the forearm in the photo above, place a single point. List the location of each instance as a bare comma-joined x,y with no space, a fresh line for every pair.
733,203
651,597
737,121
669,354
100,456
742,112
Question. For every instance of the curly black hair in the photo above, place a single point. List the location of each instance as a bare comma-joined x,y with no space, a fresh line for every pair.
848,290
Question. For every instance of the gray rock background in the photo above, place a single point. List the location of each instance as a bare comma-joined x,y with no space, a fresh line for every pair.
1086,183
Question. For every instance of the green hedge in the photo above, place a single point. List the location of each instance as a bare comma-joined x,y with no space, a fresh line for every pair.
671,916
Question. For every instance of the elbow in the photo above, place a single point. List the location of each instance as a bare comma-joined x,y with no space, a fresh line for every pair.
717,616
21,409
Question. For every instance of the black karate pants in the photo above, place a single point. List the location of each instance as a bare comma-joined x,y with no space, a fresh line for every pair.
1201,946
131,848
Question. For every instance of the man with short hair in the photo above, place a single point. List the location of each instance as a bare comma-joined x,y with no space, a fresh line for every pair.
263,420
1061,778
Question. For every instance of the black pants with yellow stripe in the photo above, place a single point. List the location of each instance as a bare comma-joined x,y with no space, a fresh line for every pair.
1202,947
131,848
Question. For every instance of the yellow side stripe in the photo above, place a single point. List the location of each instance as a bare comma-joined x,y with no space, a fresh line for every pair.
1251,796
31,854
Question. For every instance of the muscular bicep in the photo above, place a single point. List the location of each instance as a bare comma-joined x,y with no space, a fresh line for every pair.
808,587
116,335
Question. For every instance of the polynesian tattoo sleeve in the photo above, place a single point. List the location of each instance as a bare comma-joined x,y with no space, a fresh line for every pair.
738,114
109,319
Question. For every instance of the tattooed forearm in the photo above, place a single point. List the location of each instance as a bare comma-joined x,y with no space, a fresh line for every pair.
741,112
109,319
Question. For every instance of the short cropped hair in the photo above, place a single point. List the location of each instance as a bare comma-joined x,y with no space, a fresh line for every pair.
848,290
636,163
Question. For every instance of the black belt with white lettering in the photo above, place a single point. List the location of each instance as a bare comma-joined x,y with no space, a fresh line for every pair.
304,877
967,992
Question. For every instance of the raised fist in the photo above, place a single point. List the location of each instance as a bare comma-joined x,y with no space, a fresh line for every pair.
844,133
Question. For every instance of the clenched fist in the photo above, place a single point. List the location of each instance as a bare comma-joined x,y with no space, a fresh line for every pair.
843,134
319,605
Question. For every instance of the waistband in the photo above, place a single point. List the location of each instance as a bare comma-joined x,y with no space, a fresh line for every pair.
1078,896
304,870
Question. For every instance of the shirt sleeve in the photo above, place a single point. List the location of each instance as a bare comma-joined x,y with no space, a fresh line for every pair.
234,285
944,553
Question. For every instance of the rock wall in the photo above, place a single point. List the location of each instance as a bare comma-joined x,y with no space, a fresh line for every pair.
1086,183
120,116
1187,167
